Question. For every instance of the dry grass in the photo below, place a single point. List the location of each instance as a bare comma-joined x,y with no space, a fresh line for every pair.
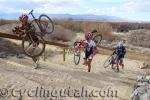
140,38
60,33
106,30
66,28
81,26
127,26
3,21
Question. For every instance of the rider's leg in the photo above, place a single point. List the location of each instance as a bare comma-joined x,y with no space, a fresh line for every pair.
30,49
85,62
121,63
89,65
117,64
34,59
86,58
89,62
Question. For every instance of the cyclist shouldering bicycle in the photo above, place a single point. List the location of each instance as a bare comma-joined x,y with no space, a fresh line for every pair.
27,28
90,50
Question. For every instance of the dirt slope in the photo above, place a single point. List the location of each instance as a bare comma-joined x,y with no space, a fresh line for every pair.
54,73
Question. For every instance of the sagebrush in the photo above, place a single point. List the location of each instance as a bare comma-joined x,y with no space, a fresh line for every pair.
140,37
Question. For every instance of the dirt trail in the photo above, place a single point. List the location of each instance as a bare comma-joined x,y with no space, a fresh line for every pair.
54,73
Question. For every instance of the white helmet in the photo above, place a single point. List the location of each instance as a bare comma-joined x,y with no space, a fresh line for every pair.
120,44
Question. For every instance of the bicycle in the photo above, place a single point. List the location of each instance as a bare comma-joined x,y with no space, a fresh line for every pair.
44,23
111,61
96,37
77,52
28,39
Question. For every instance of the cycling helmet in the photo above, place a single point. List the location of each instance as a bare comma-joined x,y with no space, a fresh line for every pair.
23,18
120,44
88,35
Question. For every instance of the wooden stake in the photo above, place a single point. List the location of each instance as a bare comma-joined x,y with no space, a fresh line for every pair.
64,54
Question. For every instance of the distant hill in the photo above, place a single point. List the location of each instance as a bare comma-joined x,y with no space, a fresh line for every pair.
86,17
83,17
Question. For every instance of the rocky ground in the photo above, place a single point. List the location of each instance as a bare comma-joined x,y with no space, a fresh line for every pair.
142,88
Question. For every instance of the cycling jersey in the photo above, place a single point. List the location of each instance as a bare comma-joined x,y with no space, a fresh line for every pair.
91,46
29,28
120,50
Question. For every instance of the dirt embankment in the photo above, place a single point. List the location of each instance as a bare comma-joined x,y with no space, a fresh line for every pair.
54,74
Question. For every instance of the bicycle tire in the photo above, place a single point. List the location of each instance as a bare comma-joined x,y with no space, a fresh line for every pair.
108,62
40,39
77,55
49,21
97,38
77,58
113,61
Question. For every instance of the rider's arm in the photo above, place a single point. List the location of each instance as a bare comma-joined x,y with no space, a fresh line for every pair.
30,29
22,29
124,50
114,47
83,44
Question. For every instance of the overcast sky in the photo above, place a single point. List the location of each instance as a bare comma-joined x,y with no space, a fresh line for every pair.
128,9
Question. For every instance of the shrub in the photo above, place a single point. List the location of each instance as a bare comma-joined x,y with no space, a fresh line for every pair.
3,21
84,26
140,38
106,30
60,33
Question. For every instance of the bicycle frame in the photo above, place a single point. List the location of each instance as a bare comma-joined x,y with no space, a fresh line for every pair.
34,19
30,37
114,58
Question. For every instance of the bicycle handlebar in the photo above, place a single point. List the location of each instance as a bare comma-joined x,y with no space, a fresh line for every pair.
31,12
79,44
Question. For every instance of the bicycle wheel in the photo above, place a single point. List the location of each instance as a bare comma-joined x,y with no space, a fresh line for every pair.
108,61
97,39
77,54
113,61
31,51
46,24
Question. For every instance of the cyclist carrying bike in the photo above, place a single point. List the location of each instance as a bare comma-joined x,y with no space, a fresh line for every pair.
120,50
28,28
90,50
